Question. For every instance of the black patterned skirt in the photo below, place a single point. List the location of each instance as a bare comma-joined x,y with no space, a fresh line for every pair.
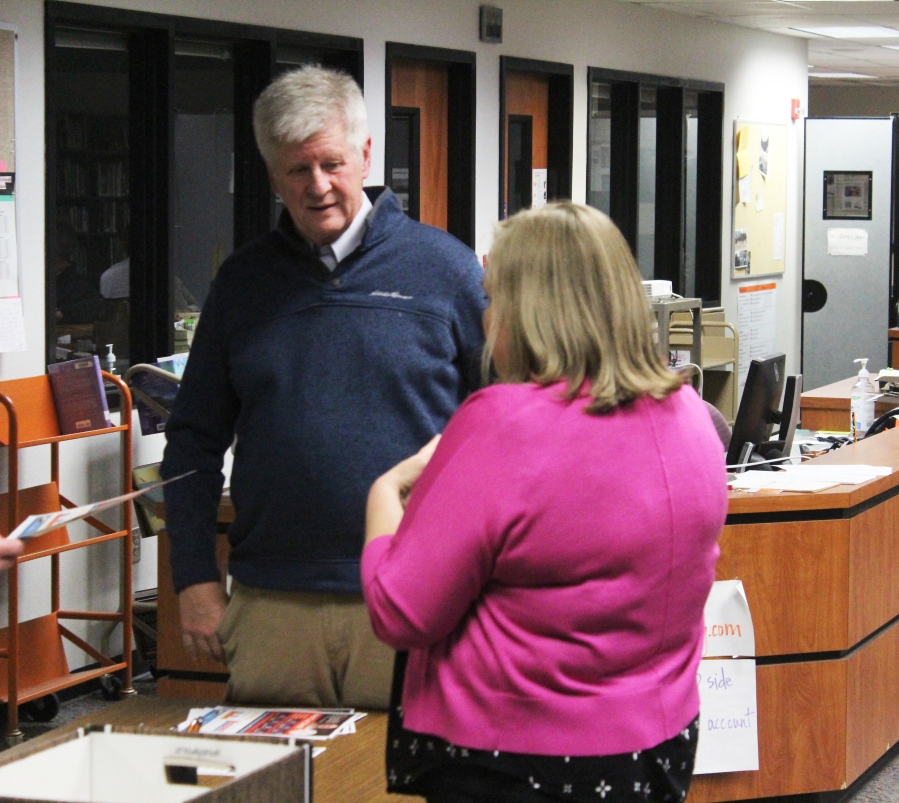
660,774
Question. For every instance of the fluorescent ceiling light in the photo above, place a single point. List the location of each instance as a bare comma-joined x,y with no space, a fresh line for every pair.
853,32
839,75
891,47
91,39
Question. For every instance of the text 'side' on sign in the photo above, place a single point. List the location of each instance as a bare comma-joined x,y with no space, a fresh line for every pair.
728,726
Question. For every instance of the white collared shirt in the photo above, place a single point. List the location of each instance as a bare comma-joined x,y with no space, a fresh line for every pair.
332,255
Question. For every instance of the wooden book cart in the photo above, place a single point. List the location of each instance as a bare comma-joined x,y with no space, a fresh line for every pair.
32,659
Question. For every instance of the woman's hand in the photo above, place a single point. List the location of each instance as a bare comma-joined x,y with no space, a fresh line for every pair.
390,492
10,549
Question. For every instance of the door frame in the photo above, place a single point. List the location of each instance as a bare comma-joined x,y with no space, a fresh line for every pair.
461,120
560,122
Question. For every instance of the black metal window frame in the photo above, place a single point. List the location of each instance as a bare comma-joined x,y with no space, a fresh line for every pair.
670,172
151,51
462,122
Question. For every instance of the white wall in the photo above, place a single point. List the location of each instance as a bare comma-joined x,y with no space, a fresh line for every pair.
761,73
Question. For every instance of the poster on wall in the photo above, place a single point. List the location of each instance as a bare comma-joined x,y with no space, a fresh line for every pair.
760,199
12,322
756,323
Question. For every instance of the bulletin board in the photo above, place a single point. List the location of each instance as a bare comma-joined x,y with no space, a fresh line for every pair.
758,242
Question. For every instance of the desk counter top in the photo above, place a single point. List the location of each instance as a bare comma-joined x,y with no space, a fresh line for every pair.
879,450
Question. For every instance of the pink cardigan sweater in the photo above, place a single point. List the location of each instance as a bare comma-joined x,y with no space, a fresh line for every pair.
550,572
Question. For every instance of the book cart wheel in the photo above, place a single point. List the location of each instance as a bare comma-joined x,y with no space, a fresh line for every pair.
43,709
110,687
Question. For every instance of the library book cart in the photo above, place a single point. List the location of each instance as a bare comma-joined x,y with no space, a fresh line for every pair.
33,665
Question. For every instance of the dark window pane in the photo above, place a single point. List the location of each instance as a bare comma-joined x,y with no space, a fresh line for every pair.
691,113
203,190
600,153
90,263
646,226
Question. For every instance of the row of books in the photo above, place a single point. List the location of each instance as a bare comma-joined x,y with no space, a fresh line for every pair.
110,179
111,217
78,131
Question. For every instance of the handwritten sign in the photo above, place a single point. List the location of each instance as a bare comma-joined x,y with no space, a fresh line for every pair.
847,242
728,726
728,623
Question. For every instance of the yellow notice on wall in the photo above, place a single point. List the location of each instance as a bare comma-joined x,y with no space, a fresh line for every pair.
743,163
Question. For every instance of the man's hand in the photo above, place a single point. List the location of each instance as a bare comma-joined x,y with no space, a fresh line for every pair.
202,607
10,549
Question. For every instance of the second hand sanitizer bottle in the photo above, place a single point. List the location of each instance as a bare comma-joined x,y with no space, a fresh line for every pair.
862,403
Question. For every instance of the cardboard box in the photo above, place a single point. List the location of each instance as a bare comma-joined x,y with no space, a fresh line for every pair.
105,764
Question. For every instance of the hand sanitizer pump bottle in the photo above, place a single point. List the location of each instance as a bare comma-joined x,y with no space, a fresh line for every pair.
109,360
862,403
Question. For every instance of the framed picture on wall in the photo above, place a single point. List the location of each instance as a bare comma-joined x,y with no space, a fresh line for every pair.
847,196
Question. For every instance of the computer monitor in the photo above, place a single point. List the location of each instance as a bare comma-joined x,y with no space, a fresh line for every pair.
760,409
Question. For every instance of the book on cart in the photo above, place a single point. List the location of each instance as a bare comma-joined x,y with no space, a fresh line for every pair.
78,395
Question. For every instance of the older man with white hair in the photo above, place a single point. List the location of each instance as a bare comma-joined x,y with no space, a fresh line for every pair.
332,347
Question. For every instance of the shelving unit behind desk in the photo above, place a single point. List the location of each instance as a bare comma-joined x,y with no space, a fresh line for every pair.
820,575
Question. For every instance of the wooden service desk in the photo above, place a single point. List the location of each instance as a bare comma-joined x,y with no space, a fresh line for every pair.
351,770
820,573
827,407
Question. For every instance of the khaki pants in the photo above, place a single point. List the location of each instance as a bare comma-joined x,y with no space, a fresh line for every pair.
303,649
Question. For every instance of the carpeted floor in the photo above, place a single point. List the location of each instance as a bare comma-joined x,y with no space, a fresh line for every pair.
883,787
92,702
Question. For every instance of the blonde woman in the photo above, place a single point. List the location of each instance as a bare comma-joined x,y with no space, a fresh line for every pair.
549,571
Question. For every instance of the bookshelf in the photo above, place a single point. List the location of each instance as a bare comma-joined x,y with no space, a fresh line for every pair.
92,189
33,664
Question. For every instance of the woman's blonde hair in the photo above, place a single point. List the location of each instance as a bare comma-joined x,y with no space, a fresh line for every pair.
566,293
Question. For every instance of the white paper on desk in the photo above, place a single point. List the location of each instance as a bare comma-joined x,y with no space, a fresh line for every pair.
12,325
778,481
728,622
728,725
841,475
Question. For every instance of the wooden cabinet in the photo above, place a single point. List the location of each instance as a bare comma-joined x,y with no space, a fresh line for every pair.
819,573
32,660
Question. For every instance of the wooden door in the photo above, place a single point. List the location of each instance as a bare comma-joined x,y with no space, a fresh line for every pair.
425,87
527,95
